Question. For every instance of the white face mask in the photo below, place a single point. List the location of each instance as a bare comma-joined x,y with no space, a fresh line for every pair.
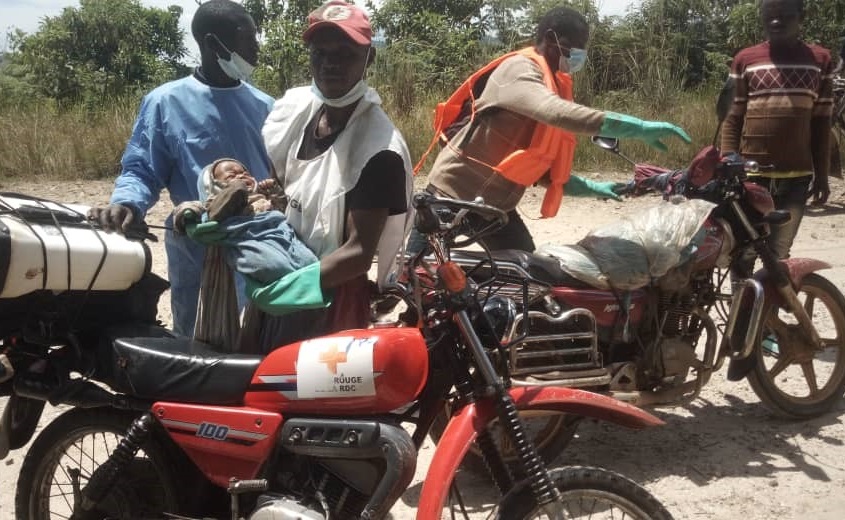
235,67
354,94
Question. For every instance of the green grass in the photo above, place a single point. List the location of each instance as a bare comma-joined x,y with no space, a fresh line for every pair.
43,143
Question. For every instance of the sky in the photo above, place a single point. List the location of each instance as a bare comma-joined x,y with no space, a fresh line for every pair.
26,15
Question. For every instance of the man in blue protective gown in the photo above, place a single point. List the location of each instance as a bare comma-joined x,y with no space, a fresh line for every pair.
185,125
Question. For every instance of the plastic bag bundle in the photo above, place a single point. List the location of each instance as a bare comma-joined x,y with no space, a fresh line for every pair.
630,253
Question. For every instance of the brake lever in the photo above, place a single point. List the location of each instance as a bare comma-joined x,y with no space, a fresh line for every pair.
456,221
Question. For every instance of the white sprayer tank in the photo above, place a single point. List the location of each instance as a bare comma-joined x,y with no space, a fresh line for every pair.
48,245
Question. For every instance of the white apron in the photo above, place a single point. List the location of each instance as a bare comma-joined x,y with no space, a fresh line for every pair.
317,187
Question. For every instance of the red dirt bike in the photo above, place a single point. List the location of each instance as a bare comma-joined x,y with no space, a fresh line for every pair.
636,310
163,426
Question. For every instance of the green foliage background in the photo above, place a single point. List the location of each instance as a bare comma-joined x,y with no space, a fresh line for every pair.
69,91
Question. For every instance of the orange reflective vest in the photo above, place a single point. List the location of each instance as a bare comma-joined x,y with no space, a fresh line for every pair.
551,149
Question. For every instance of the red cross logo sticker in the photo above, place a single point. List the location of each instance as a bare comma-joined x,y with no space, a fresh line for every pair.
332,357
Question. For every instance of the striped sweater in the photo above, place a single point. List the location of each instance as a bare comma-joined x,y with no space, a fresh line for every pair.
782,107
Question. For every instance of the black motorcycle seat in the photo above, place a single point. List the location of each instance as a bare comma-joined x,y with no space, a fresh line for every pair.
542,268
179,369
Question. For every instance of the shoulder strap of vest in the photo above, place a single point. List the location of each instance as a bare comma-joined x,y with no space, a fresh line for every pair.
447,112
540,60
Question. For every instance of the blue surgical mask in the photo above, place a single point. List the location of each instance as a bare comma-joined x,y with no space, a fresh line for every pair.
577,59
235,67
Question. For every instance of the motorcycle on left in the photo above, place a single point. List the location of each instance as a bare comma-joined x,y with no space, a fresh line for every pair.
161,426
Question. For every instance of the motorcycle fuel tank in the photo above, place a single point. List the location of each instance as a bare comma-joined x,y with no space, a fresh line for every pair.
353,372
759,198
714,245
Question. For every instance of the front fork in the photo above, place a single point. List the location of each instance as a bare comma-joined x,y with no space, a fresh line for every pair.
542,487
751,298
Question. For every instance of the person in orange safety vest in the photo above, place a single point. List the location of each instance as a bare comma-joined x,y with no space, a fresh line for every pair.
512,124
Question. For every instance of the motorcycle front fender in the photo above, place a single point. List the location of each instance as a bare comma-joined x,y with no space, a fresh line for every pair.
463,428
796,269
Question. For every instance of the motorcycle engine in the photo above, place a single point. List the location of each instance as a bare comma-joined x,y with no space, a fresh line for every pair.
676,353
279,507
677,356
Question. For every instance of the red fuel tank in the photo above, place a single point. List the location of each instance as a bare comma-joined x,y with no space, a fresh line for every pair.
354,372
714,249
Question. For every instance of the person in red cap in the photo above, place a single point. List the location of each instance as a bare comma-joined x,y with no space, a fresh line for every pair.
346,171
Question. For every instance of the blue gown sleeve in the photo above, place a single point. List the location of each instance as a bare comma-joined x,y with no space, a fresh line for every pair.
147,164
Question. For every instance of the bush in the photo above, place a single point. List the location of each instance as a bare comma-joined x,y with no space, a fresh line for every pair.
40,141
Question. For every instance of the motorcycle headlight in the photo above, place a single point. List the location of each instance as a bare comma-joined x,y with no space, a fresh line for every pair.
501,313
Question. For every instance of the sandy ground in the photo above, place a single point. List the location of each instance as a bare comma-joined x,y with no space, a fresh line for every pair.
723,456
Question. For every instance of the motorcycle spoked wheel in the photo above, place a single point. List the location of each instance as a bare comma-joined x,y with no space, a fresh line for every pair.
83,439
586,492
799,381
549,430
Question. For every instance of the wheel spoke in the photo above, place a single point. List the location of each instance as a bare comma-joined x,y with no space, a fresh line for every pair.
779,366
64,495
84,456
809,304
810,375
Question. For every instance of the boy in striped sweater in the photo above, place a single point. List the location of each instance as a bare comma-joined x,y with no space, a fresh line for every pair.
781,117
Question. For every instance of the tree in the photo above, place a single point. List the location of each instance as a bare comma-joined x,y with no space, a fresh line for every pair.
102,48
429,43
283,59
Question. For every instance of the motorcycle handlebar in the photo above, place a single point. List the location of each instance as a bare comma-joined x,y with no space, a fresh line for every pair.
734,166
430,220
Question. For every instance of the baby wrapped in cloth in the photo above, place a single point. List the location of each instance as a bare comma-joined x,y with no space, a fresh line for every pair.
248,223
243,221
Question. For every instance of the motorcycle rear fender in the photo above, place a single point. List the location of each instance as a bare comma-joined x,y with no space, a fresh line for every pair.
796,269
18,422
463,428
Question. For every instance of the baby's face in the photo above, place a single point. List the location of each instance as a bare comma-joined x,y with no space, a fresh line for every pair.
228,171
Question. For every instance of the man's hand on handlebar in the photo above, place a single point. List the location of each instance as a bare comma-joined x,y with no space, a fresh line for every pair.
114,217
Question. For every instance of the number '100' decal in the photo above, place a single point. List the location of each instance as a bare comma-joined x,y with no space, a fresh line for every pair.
213,431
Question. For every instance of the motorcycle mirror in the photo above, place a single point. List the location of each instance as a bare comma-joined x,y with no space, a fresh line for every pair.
610,144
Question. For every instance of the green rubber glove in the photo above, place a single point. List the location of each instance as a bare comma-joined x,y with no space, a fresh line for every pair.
651,132
295,291
581,187
207,233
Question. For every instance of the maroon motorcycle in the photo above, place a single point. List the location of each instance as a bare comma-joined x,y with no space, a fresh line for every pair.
643,310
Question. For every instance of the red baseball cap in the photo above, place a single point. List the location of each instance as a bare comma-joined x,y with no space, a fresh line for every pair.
348,18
